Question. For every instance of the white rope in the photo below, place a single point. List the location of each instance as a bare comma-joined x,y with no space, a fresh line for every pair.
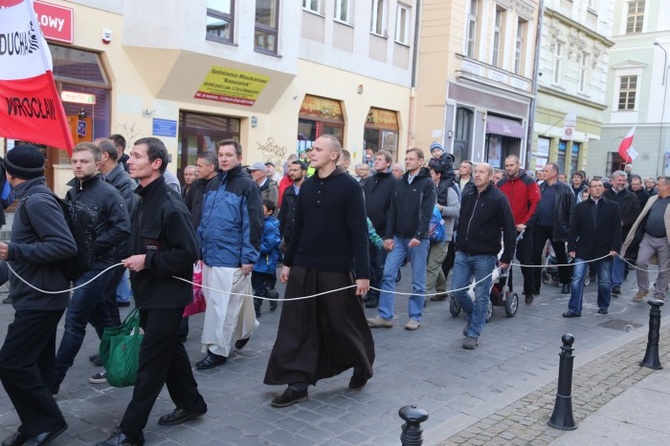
61,291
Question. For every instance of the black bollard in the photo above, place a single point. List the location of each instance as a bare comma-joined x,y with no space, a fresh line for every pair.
562,416
651,355
411,430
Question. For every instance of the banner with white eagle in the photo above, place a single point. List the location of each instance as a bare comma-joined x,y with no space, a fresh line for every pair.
30,107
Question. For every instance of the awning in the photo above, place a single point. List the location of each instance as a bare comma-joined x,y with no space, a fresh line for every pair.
504,127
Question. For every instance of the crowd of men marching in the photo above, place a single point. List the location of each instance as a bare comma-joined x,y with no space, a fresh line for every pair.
329,230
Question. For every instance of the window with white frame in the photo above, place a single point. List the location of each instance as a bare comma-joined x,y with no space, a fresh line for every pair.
312,5
635,17
498,36
402,21
558,62
342,12
471,29
378,23
220,20
627,93
519,48
581,82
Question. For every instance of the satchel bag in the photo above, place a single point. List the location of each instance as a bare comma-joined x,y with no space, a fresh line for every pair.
120,351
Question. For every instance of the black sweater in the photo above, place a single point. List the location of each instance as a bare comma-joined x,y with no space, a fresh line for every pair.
378,193
330,228
412,206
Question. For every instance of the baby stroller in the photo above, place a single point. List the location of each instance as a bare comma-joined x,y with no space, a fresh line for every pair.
499,296
550,270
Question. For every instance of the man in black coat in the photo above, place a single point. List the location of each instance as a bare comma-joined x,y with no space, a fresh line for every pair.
297,172
27,356
164,245
594,236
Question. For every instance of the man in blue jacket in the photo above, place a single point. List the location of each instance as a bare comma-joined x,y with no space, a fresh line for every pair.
230,238
485,213
27,356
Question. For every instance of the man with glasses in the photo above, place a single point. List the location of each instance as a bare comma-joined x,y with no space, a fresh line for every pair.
593,239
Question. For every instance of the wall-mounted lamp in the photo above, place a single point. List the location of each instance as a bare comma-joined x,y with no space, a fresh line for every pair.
254,122
146,113
450,134
82,114
359,90
665,61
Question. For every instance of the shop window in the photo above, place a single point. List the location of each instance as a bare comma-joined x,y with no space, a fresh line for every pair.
319,116
381,132
221,20
199,133
267,26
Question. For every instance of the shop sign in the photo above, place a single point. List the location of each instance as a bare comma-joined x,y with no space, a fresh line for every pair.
321,108
386,119
233,86
77,98
164,127
57,22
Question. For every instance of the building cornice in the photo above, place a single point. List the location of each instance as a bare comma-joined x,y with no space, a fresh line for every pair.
570,98
550,13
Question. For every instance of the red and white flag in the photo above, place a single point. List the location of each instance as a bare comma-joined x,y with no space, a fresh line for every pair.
626,149
30,107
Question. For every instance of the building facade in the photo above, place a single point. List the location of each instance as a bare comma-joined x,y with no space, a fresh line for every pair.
637,90
475,77
271,74
572,82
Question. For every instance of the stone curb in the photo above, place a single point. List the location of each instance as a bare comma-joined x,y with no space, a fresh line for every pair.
594,384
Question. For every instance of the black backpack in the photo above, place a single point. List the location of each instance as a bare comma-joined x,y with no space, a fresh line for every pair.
81,221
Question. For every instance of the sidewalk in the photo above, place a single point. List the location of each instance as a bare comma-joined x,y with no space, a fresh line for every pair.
615,402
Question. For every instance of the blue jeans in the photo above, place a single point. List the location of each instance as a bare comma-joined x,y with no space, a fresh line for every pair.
465,267
87,305
581,269
418,257
616,273
123,290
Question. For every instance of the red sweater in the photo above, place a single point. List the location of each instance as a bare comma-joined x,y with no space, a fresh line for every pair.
523,195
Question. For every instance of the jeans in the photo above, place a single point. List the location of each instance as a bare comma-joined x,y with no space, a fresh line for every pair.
394,259
465,267
87,305
618,266
581,269
123,290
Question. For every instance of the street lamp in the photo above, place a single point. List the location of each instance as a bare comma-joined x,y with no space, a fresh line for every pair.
661,165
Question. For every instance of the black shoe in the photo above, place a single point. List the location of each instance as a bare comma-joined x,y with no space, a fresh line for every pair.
118,438
240,343
288,398
16,439
571,314
602,310
179,416
273,305
7,300
123,304
95,359
529,298
616,290
210,361
274,295
372,303
357,381
565,289
438,297
46,437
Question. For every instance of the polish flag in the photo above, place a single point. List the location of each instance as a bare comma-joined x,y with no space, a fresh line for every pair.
30,107
626,149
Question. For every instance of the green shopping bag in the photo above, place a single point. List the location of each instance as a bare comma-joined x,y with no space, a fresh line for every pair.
120,351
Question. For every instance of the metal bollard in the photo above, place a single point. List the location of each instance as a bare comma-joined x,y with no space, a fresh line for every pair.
651,359
411,430
562,418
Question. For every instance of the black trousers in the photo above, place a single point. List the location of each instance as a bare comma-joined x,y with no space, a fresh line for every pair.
110,293
524,254
449,260
26,364
540,236
163,361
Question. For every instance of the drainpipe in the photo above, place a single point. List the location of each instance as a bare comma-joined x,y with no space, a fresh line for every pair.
412,91
536,72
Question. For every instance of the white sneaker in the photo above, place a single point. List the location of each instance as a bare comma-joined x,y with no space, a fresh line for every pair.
413,324
379,322
99,378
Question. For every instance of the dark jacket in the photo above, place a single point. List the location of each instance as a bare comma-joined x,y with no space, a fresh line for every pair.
270,190
330,229
194,199
411,207
483,216
591,240
162,230
564,203
523,195
378,194
287,212
35,245
112,227
642,196
124,162
120,179
629,206
232,220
